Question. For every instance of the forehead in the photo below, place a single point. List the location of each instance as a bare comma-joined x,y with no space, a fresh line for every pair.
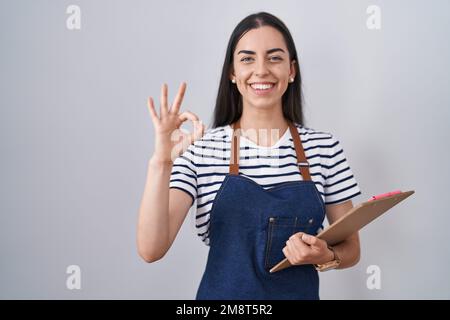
261,39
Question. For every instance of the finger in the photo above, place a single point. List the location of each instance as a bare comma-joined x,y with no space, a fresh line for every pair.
298,235
198,125
291,255
287,253
151,108
199,130
298,247
309,239
164,93
297,239
178,99
187,115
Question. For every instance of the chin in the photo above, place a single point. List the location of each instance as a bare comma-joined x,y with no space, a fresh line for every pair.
263,102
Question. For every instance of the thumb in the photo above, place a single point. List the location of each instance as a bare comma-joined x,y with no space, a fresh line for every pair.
309,239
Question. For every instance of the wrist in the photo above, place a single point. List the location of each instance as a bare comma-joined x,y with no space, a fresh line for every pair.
328,256
156,161
331,254
330,264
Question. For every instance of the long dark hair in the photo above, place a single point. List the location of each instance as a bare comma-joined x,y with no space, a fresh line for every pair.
228,107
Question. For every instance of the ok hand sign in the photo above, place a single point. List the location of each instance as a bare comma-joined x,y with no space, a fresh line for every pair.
170,140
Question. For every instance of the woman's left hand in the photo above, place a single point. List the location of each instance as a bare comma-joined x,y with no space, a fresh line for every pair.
302,248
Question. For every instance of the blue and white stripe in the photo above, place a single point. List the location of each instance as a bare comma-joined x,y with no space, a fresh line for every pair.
200,170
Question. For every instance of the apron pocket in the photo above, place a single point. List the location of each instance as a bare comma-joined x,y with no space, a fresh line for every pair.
279,230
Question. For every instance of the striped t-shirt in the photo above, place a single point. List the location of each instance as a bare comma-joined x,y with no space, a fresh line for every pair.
200,170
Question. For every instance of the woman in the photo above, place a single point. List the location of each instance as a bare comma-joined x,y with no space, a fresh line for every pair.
251,213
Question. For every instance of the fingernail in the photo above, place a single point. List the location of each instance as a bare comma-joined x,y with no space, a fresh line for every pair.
305,237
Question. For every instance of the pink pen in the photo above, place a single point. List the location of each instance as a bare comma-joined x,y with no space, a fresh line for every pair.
384,195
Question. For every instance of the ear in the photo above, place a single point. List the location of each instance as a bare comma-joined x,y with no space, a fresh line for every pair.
292,72
231,76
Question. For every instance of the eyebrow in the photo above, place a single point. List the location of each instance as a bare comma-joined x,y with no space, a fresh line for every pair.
268,51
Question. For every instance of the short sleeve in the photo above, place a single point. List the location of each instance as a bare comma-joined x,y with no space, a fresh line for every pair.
184,173
340,184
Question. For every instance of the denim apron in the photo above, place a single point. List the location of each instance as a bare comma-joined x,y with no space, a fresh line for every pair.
249,227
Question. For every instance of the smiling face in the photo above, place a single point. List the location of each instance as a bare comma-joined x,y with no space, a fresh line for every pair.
261,67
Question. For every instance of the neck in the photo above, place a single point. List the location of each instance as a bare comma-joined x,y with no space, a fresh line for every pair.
263,126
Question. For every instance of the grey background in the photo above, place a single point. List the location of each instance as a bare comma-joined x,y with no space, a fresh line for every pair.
76,135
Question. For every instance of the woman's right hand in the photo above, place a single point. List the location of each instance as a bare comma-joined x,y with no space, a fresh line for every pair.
170,140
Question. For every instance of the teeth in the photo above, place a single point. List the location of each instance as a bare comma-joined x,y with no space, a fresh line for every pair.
261,86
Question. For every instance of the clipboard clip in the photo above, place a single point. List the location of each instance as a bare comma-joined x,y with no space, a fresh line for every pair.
388,194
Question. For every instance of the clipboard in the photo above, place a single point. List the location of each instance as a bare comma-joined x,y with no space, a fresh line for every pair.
354,220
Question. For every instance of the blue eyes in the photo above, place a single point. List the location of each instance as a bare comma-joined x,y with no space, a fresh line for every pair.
275,58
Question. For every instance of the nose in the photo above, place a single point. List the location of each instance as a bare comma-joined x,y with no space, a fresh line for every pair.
261,68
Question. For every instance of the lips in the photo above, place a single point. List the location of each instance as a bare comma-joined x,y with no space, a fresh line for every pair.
261,88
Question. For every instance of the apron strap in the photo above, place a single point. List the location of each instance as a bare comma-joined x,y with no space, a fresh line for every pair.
301,158
235,145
